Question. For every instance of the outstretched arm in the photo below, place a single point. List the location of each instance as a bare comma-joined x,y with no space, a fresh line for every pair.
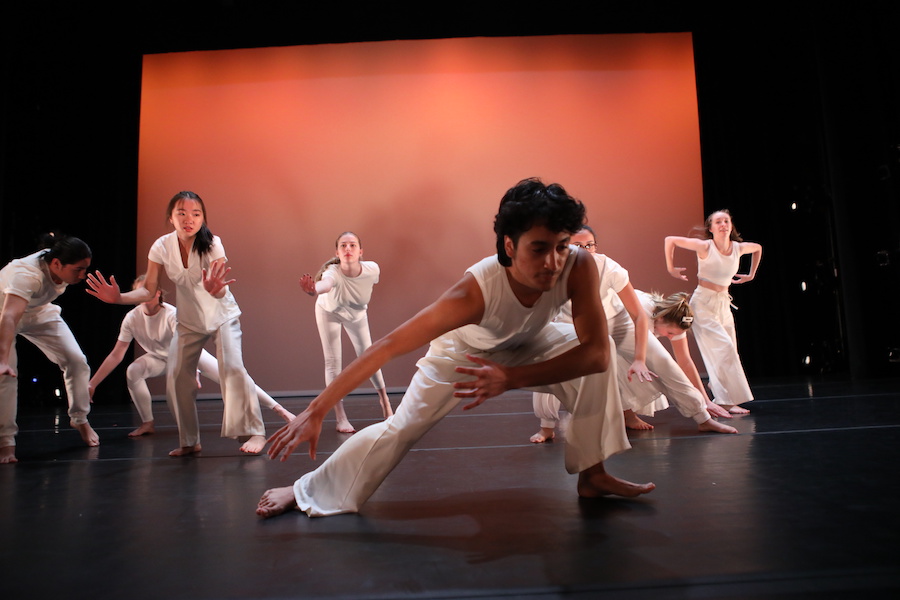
109,363
10,315
460,305
682,353
315,288
641,331
109,292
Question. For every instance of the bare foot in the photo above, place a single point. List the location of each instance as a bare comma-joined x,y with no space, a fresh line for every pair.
543,436
276,501
343,423
345,427
146,428
596,482
88,434
632,421
737,410
716,410
714,426
283,413
386,410
8,455
186,450
254,445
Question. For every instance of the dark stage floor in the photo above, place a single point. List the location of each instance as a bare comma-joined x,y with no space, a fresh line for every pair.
801,504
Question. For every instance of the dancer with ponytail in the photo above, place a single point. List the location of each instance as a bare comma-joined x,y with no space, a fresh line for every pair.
194,259
677,380
639,355
344,287
28,286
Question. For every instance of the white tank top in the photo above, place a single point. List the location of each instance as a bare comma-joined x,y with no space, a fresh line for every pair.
506,322
719,268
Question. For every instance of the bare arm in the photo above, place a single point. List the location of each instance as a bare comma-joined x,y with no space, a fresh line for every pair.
462,304
10,315
688,243
755,251
109,291
592,355
641,331
682,353
112,361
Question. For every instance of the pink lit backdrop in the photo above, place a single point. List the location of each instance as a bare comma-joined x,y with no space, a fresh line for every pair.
411,144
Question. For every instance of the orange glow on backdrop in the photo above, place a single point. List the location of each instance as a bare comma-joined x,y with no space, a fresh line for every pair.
411,144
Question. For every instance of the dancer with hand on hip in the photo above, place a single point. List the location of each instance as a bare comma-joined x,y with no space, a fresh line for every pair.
718,260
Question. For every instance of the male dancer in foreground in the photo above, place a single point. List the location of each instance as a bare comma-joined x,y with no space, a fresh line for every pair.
490,332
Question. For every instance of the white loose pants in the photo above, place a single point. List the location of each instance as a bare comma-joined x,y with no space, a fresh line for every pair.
148,366
242,416
714,330
45,329
344,482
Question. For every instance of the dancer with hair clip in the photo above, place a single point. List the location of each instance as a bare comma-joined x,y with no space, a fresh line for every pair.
194,259
344,287
490,332
152,326
28,286
678,379
719,254
639,354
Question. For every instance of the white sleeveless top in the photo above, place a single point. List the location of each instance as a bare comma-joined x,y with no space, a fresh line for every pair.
506,323
719,268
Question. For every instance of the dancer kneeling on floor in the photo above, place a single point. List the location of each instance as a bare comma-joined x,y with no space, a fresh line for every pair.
490,332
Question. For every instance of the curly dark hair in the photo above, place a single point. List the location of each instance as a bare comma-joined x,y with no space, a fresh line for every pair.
532,202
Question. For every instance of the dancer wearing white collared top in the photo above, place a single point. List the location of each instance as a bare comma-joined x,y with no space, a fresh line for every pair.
344,287
718,261
194,260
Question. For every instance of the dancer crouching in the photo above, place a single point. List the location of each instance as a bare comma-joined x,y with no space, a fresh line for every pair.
490,332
